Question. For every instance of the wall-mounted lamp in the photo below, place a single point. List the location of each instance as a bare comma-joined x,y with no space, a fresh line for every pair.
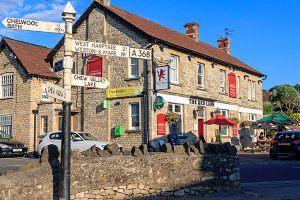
198,112
213,64
246,76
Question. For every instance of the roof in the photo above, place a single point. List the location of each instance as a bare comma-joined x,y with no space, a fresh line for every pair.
266,96
167,36
31,56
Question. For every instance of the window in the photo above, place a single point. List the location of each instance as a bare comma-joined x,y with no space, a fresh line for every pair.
222,82
56,136
174,69
6,85
176,127
249,89
134,116
238,91
134,68
252,117
44,123
224,129
201,75
5,126
253,91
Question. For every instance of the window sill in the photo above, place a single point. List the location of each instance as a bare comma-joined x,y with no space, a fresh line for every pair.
2,98
201,88
225,94
132,79
133,131
176,84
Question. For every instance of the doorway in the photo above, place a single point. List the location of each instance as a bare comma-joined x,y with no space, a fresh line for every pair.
200,128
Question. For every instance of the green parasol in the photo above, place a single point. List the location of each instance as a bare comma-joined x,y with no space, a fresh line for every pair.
277,119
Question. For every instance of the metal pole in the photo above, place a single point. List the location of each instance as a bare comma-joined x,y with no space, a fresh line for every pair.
34,150
68,15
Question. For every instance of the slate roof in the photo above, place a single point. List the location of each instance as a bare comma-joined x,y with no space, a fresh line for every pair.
166,36
31,56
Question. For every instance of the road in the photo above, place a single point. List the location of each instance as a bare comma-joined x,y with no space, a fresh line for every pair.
14,163
260,168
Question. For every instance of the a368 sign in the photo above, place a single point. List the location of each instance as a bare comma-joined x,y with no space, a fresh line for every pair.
140,53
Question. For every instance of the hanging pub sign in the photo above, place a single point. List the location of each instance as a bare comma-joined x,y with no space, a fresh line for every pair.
162,78
161,124
159,102
95,66
232,85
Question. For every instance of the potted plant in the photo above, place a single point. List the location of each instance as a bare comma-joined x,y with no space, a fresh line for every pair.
172,116
235,120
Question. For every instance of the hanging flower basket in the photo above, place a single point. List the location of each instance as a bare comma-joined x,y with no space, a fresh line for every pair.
246,123
235,120
172,116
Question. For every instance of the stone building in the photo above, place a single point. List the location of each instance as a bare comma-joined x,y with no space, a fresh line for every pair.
22,72
204,80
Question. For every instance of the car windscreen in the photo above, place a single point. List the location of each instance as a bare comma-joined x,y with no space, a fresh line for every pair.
287,136
87,136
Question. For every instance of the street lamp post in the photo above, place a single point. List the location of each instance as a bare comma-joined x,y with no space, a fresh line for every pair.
68,16
34,112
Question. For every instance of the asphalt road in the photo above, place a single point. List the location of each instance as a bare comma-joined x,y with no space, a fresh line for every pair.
13,163
260,168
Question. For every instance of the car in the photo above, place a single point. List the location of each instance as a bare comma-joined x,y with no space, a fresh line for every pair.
79,140
285,143
12,148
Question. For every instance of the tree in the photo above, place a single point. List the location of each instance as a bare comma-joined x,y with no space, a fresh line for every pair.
268,109
297,87
285,98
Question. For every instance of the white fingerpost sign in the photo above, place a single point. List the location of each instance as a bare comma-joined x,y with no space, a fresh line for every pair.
140,53
33,25
100,48
162,80
89,81
55,91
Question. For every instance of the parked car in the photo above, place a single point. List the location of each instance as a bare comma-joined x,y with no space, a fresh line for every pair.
79,140
10,148
285,143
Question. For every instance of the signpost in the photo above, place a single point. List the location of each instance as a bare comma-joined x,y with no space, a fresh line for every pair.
55,91
33,25
89,81
110,50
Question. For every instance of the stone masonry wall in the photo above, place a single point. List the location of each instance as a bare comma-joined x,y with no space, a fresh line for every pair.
128,177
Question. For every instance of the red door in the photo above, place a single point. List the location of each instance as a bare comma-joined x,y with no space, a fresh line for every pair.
200,127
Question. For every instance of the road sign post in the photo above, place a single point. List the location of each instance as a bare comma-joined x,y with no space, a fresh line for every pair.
68,15
33,25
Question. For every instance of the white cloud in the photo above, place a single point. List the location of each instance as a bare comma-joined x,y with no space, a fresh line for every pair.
53,13
8,6
40,6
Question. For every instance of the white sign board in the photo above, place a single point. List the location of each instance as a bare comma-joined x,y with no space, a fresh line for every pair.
55,91
162,78
140,53
33,25
100,48
89,81
110,50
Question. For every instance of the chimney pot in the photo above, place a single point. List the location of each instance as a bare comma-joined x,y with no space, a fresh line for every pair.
104,2
224,44
192,30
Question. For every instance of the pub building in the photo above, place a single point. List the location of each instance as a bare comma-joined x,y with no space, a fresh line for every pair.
183,83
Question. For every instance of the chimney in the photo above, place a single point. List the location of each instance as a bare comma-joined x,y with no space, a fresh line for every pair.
192,30
224,44
104,2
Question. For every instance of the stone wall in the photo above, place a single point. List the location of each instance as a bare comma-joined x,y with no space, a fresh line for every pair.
130,177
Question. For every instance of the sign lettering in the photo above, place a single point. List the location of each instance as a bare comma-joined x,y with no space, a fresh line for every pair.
232,85
201,102
89,81
161,124
55,91
33,25
124,92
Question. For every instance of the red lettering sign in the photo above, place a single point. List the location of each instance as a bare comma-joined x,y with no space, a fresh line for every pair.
161,124
235,130
232,85
95,64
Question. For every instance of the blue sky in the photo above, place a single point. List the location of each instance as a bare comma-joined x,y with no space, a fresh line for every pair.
266,32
